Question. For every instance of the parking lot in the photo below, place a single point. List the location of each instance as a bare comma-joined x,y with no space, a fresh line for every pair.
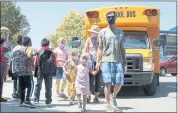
131,99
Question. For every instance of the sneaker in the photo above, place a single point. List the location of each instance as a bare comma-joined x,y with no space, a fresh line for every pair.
3,100
71,103
49,105
96,100
21,104
29,104
62,95
113,102
109,109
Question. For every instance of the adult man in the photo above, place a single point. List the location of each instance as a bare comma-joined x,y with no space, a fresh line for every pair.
111,53
91,46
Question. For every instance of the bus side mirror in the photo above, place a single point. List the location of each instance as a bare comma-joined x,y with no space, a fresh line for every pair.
158,42
76,42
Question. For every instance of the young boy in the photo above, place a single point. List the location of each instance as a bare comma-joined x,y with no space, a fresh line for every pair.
16,88
20,56
61,58
45,66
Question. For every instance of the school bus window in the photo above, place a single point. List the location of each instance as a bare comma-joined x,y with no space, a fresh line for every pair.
136,40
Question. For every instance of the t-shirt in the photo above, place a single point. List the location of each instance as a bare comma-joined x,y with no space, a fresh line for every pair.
60,55
3,59
30,51
112,44
93,47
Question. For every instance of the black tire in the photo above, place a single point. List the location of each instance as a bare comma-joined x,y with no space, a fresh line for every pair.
150,90
163,72
173,74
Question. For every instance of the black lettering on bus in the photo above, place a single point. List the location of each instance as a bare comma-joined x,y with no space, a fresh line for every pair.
120,14
127,13
134,14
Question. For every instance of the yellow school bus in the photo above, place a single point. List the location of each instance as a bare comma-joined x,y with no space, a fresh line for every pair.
140,24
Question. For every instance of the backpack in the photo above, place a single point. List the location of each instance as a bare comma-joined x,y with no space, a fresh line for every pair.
29,62
46,62
19,61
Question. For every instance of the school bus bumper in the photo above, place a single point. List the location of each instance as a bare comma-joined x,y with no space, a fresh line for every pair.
138,78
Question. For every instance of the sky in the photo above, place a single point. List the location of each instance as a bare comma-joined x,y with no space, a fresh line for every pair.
45,16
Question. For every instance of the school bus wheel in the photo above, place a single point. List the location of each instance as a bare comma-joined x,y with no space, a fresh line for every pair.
150,90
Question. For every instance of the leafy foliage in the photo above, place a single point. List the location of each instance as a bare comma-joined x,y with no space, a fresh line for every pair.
72,25
13,19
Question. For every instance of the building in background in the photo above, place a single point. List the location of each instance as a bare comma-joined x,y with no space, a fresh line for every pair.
170,36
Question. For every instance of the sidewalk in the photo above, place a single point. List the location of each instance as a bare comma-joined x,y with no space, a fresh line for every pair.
57,105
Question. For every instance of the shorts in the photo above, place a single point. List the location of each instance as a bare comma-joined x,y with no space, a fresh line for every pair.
60,73
112,73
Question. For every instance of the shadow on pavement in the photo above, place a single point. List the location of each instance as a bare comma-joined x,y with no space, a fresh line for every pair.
163,90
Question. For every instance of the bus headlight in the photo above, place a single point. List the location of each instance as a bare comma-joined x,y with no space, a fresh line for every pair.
148,64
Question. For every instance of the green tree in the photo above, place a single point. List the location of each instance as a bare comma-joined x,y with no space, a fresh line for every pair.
72,25
13,19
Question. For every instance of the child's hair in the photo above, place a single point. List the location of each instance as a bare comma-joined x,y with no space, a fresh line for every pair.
61,40
44,42
85,55
26,41
74,51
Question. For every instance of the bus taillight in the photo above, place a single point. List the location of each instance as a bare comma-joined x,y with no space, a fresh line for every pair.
93,14
151,12
154,12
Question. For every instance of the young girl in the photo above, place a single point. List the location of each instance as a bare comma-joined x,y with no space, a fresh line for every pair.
70,71
82,81
61,58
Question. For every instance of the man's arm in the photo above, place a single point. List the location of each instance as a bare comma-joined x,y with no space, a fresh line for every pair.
123,51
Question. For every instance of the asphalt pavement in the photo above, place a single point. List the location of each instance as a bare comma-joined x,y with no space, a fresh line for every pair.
130,99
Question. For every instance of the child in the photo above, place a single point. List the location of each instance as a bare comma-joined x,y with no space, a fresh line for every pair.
70,71
45,66
61,58
22,65
82,80
16,88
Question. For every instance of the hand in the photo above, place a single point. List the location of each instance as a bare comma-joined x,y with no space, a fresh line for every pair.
93,73
97,66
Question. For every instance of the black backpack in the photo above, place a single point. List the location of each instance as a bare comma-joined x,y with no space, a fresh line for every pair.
46,62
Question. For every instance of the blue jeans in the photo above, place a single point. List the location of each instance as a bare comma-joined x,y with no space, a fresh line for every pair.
112,73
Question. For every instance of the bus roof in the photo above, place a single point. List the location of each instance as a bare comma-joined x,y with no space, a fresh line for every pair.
110,7
133,16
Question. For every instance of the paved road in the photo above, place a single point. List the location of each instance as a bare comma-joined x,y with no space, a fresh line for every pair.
130,100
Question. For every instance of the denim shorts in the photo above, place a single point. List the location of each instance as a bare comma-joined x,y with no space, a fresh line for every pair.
112,73
60,73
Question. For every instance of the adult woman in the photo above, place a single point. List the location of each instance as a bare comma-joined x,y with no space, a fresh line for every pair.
91,46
